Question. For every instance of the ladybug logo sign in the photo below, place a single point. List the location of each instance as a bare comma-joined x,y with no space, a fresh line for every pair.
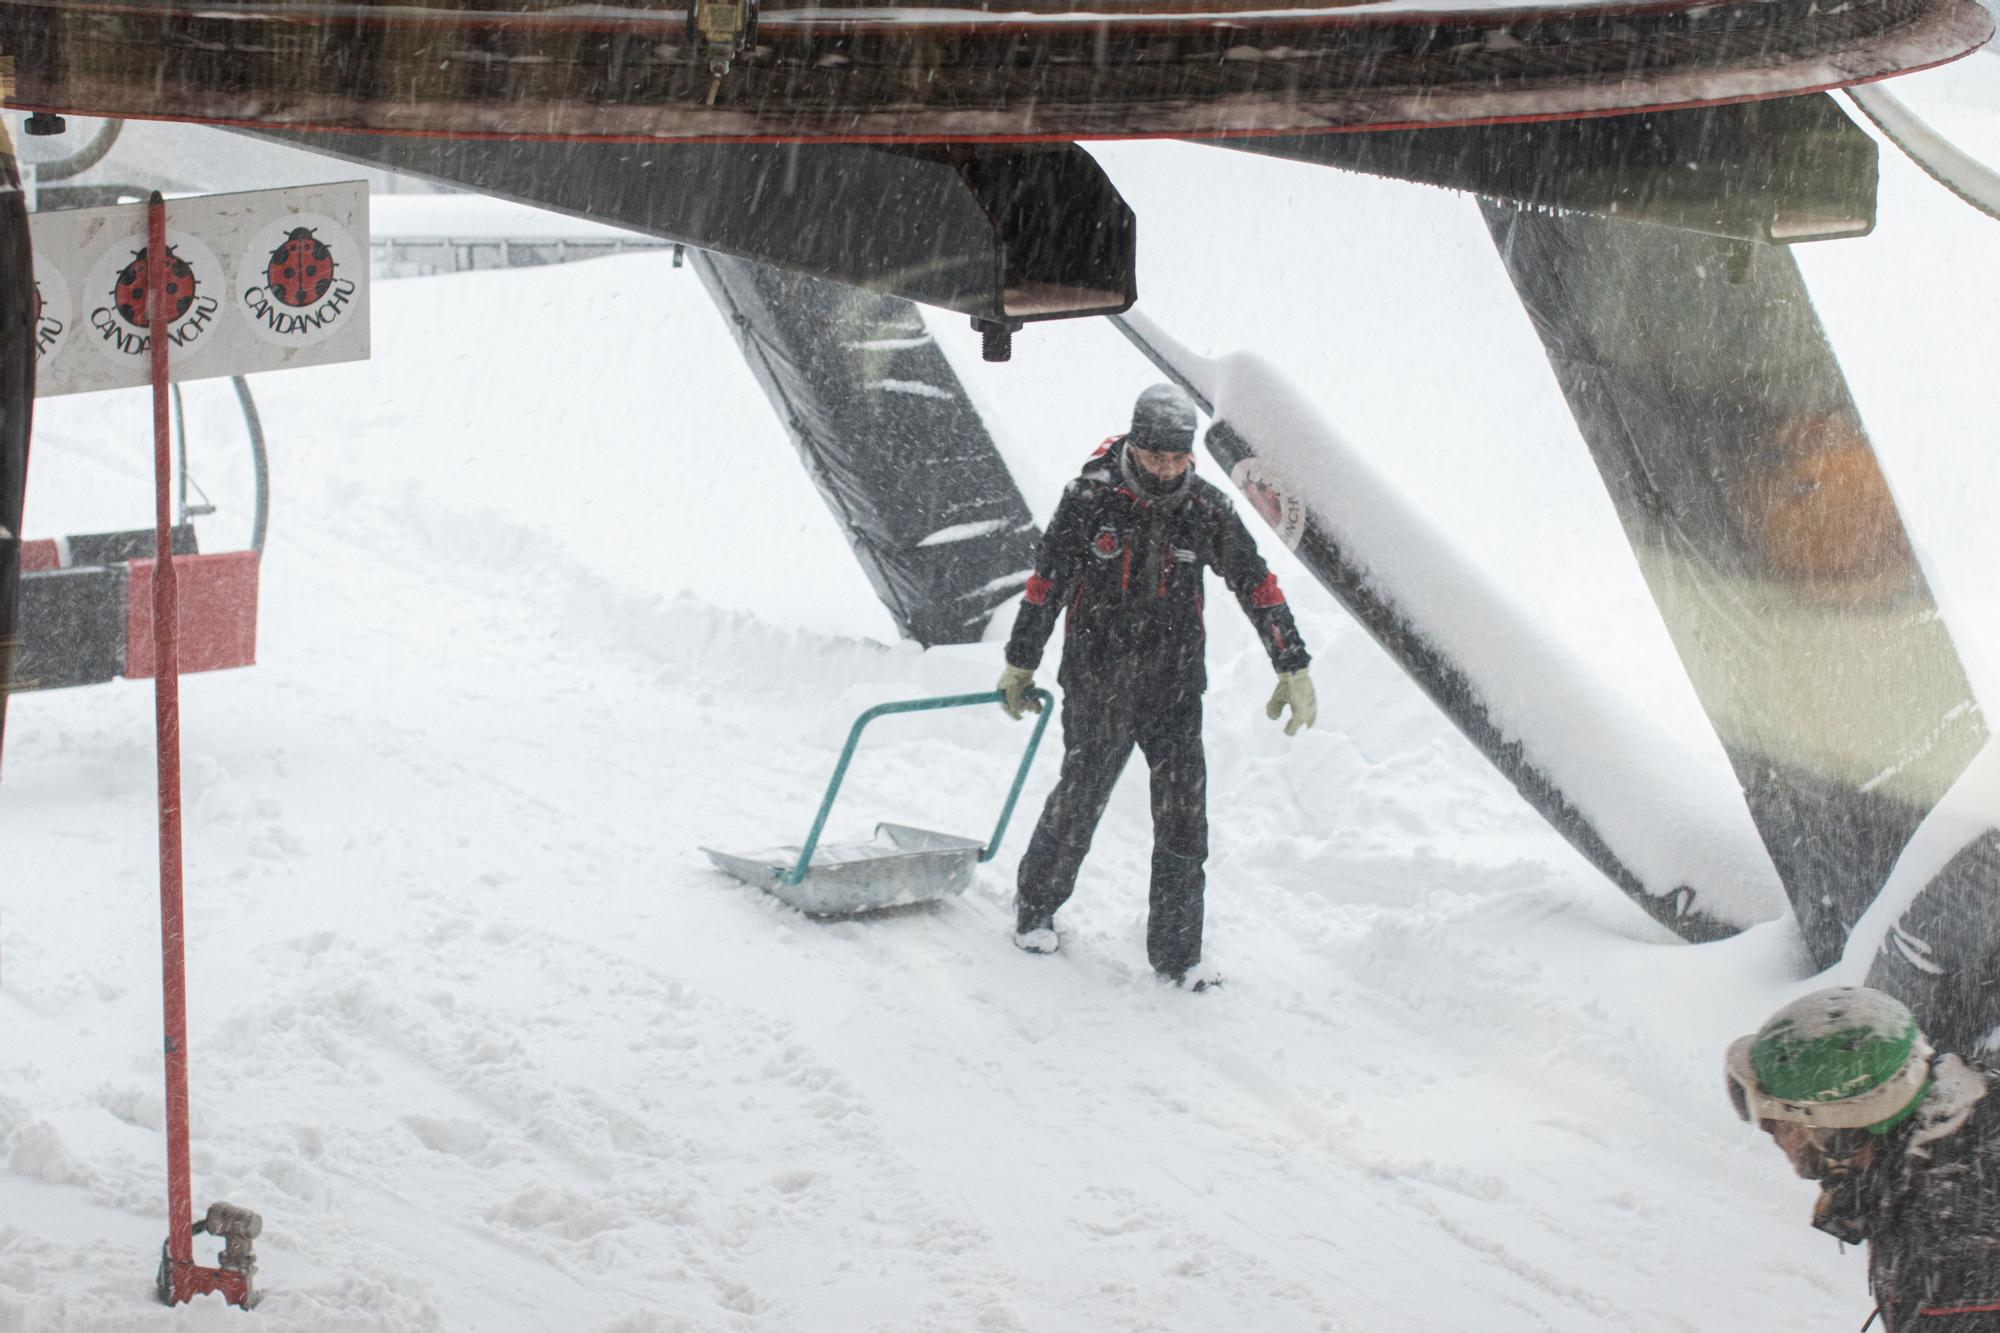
298,284
119,279
245,281
1269,496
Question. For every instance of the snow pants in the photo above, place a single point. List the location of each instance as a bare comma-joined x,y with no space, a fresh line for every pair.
1099,730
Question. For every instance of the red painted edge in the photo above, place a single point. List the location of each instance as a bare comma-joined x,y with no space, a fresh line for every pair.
1053,136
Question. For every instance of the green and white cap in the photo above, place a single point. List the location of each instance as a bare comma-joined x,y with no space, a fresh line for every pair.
1844,1058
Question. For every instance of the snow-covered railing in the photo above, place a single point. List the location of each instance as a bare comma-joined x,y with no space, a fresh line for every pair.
423,256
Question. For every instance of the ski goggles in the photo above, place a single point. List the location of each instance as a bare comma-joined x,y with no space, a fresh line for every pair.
1872,1107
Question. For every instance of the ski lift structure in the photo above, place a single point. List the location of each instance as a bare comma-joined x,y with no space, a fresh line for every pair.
933,154
85,613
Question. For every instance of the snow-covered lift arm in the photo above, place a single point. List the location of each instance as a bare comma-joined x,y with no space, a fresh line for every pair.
1271,472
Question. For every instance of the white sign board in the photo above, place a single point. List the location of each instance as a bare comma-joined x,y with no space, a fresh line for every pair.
264,280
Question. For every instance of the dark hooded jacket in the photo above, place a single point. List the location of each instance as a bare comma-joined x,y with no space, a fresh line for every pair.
1126,564
1928,1204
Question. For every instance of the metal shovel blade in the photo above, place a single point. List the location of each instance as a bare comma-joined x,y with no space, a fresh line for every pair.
899,867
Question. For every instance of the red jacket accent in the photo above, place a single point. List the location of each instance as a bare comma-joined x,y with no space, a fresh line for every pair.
1267,593
1039,588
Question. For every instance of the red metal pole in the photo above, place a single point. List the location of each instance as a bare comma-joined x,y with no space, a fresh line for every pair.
167,715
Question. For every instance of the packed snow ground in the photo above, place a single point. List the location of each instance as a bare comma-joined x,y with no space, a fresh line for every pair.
549,604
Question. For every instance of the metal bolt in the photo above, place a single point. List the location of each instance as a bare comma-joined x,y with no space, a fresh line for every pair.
996,340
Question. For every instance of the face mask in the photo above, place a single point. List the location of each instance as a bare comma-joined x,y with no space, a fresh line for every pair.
1148,485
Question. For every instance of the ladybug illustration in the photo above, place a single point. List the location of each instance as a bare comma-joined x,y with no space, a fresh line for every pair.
301,269
130,294
1264,498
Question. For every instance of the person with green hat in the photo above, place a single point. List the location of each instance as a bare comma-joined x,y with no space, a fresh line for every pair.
1904,1141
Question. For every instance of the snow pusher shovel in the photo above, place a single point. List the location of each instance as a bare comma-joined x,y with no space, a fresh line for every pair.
901,865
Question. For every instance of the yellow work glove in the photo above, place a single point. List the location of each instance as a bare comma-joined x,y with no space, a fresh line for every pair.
1294,688
1015,682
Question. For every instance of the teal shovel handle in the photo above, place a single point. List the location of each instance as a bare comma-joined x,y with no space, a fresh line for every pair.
798,872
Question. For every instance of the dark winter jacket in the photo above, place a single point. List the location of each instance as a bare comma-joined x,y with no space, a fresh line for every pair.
1929,1206
1128,569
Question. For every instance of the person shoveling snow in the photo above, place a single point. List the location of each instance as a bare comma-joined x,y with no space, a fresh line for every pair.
1125,554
